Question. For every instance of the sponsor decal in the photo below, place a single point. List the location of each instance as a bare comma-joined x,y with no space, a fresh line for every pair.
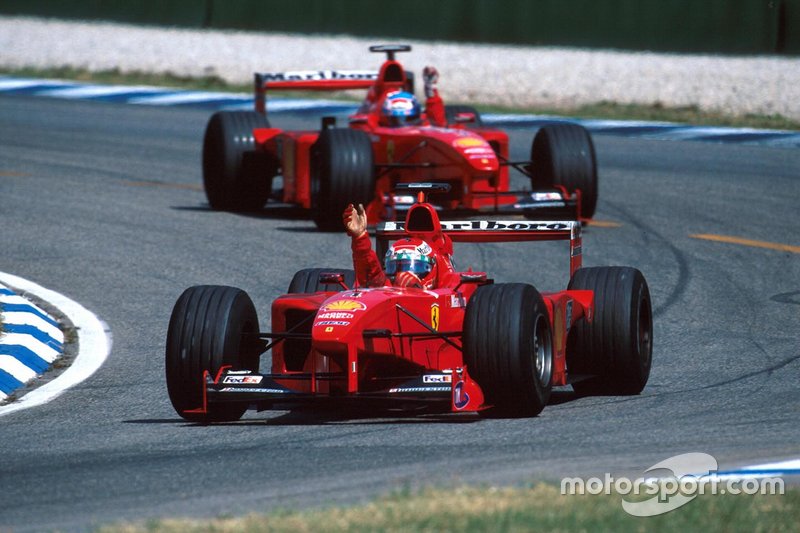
435,317
232,372
468,142
437,378
420,389
543,196
390,151
404,199
253,389
328,329
343,305
456,300
424,248
460,396
242,379
336,316
331,323
319,75
483,150
489,225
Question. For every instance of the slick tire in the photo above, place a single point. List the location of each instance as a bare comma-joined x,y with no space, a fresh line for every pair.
450,112
617,346
236,177
508,347
563,154
307,280
210,326
342,172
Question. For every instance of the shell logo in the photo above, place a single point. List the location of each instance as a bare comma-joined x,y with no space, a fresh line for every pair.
468,142
344,305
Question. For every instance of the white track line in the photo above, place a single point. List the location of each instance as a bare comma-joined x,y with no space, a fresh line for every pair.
94,339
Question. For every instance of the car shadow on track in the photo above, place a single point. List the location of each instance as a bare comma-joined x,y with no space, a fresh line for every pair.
328,416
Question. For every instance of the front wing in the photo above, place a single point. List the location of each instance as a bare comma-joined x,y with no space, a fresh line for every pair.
453,388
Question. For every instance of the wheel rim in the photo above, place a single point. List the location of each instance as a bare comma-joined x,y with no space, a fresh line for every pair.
543,351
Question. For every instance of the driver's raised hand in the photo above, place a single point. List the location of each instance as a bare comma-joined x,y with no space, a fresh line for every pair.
355,220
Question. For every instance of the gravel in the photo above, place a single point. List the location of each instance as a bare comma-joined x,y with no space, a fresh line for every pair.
507,75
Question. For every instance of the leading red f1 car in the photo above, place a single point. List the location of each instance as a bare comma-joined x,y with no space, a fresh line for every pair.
326,169
466,345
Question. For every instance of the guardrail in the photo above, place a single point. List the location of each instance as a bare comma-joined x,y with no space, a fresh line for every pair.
713,26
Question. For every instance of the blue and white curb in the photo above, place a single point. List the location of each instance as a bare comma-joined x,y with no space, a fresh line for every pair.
30,342
94,342
776,469
155,96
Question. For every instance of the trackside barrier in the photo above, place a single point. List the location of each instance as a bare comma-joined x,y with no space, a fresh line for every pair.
714,26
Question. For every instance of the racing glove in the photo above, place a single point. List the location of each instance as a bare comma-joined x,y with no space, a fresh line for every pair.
430,76
407,279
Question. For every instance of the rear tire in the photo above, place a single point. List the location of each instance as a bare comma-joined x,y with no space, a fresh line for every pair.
210,326
236,176
563,154
342,172
617,346
508,347
307,280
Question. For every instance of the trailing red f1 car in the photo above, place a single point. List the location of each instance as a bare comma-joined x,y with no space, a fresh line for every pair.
390,140
465,344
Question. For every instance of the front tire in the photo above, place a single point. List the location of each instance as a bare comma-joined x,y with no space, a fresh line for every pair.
210,326
563,154
342,172
508,347
236,176
307,280
617,346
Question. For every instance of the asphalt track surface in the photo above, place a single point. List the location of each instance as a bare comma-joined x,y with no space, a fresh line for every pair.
102,202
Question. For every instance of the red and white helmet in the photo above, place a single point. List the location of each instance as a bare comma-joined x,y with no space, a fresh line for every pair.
412,256
400,108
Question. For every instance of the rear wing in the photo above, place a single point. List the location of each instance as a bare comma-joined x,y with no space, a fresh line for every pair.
311,80
495,231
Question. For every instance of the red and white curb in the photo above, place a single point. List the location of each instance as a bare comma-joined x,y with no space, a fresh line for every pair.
94,340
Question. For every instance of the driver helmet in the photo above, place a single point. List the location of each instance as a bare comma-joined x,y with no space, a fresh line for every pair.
414,256
400,108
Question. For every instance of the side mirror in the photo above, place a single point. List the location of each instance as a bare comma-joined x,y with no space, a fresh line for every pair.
465,118
332,278
473,277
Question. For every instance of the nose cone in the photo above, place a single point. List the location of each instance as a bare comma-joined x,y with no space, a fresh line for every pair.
336,317
477,152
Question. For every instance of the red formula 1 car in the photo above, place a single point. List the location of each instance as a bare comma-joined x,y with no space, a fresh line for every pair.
324,170
467,345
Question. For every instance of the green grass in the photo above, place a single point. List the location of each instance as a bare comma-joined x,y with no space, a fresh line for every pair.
604,110
537,508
